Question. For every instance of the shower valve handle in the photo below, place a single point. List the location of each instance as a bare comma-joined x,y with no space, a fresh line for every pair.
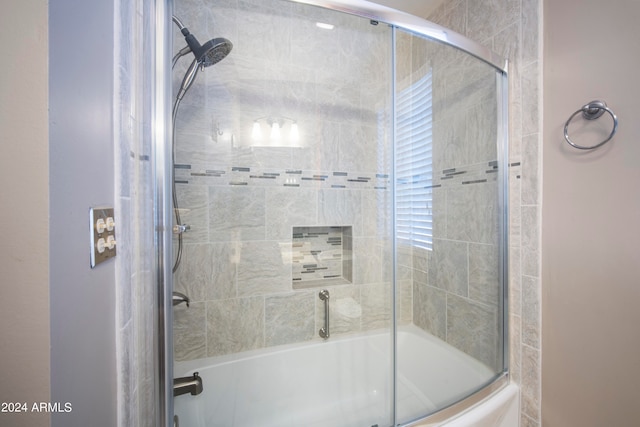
181,228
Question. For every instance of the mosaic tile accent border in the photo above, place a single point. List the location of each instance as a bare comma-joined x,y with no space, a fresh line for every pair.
298,178
240,175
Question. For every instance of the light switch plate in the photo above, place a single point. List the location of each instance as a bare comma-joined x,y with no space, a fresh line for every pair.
103,234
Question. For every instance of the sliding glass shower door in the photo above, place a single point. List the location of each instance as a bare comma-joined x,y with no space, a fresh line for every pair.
340,198
283,171
450,222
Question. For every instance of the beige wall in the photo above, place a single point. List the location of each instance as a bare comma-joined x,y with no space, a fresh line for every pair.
591,214
24,248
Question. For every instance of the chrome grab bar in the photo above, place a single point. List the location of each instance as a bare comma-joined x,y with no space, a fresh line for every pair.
324,296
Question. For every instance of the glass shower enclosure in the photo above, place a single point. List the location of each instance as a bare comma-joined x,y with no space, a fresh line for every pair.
339,177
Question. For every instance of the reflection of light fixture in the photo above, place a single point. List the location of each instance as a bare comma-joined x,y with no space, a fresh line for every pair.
282,131
275,131
256,132
324,26
294,134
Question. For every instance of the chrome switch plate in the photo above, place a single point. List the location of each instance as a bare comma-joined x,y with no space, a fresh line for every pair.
103,234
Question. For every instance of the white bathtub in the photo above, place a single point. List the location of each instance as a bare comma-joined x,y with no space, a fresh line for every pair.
343,382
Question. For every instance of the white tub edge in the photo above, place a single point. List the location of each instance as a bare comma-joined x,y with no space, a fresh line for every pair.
500,409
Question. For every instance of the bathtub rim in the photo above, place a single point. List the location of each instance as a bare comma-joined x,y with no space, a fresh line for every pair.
187,367
464,406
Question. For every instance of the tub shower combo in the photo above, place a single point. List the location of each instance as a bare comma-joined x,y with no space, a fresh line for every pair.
339,175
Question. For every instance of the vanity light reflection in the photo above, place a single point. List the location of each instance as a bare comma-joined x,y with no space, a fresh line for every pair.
281,131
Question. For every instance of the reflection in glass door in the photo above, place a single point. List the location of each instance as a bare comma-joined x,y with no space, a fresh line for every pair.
340,197
283,171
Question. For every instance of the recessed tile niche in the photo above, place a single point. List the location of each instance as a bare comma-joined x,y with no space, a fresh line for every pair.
321,256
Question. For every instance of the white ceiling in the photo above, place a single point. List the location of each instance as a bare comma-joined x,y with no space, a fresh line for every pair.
421,8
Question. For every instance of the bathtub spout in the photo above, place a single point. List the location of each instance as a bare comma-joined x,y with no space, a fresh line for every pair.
186,385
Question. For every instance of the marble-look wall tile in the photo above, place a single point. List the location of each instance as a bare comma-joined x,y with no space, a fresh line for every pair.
261,22
430,309
291,89
449,19
338,100
236,213
376,306
469,82
472,328
515,351
530,170
403,270
531,326
448,266
224,258
530,98
420,259
189,331
530,384
484,278
527,421
289,207
485,18
404,59
194,147
530,241
368,260
235,325
515,281
472,213
481,126
267,157
341,207
321,145
193,202
206,272
289,318
377,213
515,216
264,267
439,213
404,303
530,26
360,149
449,146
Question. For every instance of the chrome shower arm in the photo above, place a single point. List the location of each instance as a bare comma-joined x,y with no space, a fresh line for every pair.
184,50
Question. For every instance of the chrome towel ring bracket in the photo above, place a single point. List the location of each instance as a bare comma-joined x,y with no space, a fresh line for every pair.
592,111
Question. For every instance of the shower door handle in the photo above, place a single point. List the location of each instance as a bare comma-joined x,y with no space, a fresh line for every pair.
324,296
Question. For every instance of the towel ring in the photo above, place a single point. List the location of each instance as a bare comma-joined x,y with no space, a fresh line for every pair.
592,111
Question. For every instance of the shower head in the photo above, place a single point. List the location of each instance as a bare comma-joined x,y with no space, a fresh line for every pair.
213,51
